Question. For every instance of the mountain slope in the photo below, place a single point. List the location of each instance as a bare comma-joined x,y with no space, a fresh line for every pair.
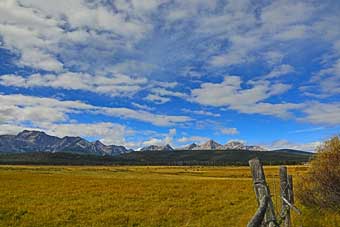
166,147
209,145
237,145
36,141
232,145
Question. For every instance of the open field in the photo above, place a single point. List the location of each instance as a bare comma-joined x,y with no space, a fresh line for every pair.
138,196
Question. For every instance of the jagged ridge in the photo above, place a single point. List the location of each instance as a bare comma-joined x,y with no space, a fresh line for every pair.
232,145
37,141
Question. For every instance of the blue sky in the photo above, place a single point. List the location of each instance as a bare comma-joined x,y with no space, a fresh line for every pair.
141,72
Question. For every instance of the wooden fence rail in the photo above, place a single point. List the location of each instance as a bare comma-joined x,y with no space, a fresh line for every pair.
259,215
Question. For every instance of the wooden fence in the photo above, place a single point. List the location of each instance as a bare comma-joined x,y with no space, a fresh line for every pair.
265,215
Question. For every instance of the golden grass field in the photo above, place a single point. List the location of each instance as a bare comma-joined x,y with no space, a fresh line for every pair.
138,196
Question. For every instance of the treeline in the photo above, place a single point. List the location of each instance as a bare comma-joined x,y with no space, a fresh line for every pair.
175,158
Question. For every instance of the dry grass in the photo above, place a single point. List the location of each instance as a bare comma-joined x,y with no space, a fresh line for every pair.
136,196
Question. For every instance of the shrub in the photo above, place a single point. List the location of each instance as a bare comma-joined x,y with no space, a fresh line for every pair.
320,186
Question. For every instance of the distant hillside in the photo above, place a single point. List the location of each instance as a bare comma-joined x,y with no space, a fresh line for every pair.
214,157
176,157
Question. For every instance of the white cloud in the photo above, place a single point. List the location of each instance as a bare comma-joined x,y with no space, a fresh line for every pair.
285,144
161,95
284,13
44,35
107,132
280,71
133,67
20,108
229,93
229,131
282,110
187,9
157,99
321,113
193,139
115,85
238,53
273,57
165,84
292,33
30,34
201,112
143,107
82,14
166,139
11,129
326,81
153,141
308,130
249,31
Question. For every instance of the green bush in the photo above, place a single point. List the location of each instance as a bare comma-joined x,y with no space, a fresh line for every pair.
320,186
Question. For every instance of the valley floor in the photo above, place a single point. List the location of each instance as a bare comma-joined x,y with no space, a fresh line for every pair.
138,196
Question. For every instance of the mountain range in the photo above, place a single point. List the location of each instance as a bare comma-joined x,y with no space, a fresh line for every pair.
213,145
37,141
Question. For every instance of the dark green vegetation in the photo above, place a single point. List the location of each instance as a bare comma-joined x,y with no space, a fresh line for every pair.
232,157
321,184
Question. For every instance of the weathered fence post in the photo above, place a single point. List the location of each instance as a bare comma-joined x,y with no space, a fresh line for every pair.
291,189
262,190
285,191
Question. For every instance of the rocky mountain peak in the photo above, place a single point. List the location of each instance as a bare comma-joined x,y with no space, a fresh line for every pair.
30,134
213,145
210,144
191,146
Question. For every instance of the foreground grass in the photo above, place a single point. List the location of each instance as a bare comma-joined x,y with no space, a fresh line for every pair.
137,196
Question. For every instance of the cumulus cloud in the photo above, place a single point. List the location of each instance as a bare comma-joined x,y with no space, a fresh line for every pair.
157,99
107,132
20,108
229,93
327,80
201,112
280,71
229,131
143,107
166,139
193,139
285,144
114,85
39,33
162,95
322,113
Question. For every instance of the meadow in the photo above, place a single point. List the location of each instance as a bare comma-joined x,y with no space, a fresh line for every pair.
147,196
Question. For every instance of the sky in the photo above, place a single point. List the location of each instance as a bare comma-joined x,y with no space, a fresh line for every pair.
142,72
